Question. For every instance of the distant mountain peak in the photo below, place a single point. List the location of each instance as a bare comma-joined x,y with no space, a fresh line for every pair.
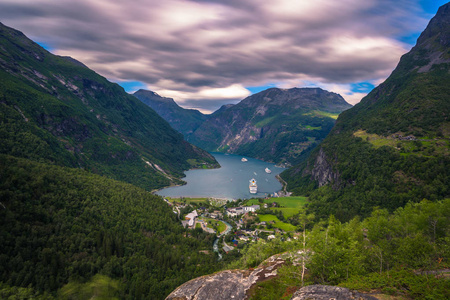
185,121
432,45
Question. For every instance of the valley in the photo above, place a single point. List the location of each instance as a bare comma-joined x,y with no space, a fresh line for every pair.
281,193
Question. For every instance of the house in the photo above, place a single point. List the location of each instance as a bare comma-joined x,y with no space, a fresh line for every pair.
252,208
236,211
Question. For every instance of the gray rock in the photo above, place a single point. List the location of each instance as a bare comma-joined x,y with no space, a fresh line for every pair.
226,285
326,292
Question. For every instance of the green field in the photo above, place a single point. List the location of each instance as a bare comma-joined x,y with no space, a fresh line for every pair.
188,200
278,223
289,206
213,223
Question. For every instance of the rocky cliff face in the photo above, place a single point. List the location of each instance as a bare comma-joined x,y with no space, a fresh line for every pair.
322,170
275,125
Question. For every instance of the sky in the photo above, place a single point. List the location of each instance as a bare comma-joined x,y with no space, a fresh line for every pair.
206,53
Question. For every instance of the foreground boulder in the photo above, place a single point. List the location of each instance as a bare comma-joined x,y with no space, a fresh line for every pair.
226,285
326,292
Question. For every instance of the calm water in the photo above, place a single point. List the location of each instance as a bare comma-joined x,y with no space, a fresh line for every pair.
230,181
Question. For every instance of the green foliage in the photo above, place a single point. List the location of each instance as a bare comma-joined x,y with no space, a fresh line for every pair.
60,224
255,253
56,110
402,282
99,287
19,293
268,124
414,237
371,164
371,177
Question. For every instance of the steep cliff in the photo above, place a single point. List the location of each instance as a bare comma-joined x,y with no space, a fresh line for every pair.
392,147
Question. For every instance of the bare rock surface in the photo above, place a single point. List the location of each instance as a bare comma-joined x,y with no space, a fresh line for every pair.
327,292
227,285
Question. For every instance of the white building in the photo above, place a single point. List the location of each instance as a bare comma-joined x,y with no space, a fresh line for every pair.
191,218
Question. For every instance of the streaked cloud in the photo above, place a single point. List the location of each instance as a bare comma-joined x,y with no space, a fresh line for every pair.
209,50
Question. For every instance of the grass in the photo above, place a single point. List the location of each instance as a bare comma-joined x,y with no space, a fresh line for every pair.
423,147
323,114
215,224
264,122
402,283
313,128
278,224
289,206
188,200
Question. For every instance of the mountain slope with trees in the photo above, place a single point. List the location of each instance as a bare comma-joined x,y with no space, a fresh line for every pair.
55,109
393,147
65,230
60,225
185,121
274,125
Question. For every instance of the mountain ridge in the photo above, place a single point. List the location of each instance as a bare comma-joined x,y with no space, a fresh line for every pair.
185,121
275,125
56,109
393,146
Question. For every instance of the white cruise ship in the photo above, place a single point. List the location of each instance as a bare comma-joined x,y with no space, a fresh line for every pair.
253,187
244,159
268,171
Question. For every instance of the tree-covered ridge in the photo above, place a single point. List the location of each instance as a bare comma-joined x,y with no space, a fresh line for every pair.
185,121
392,147
274,125
56,109
61,224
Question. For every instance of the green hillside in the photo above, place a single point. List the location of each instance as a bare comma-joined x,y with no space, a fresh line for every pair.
393,147
274,125
61,225
185,121
55,109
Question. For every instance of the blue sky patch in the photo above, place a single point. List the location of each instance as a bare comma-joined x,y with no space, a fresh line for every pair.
132,86
257,89
45,46
361,87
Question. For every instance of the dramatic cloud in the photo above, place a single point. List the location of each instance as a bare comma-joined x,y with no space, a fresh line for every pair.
204,53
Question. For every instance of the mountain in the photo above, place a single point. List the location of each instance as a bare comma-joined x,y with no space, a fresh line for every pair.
66,232
56,110
393,147
185,121
274,125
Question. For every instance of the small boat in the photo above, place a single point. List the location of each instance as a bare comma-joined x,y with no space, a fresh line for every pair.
244,159
268,171
253,187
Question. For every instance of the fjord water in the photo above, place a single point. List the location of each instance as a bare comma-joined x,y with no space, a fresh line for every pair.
230,181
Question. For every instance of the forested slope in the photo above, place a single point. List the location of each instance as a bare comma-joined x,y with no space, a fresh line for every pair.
55,109
60,224
276,125
393,147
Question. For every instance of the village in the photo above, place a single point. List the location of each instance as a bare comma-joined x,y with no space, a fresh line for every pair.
239,222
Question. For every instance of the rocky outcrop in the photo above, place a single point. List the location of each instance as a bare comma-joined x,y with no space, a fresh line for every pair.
226,285
322,171
326,292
